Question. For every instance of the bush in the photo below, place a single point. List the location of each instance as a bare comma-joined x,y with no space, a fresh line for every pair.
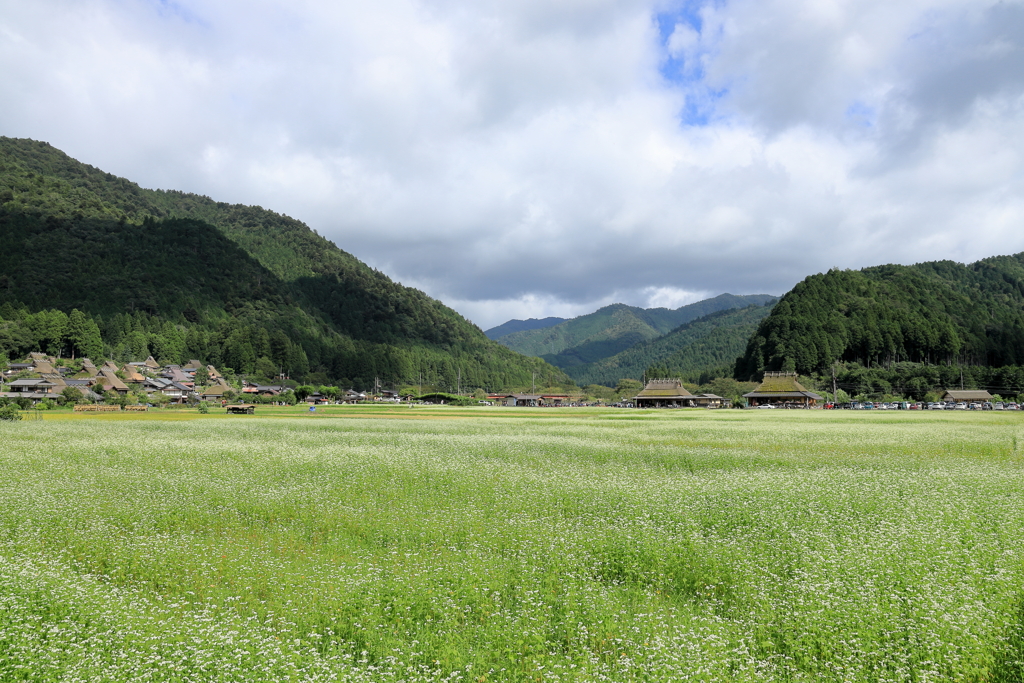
203,407
10,412
72,395
46,404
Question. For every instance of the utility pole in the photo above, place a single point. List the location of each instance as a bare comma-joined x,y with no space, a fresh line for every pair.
534,383
458,385
834,382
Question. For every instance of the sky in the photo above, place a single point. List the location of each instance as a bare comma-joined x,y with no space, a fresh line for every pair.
530,158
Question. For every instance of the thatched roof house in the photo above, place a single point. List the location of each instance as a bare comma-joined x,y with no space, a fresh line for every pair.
152,364
214,393
781,388
44,367
664,393
966,395
110,381
132,374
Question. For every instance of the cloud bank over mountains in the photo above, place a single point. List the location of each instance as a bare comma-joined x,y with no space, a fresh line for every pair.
526,158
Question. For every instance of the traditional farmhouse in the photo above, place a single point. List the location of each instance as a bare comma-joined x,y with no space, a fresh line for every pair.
132,375
782,389
111,382
664,393
266,390
215,392
88,369
35,388
711,401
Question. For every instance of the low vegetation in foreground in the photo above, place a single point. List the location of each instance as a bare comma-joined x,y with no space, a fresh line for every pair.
499,545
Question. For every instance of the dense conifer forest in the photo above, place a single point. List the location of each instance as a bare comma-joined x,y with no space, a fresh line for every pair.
181,276
906,327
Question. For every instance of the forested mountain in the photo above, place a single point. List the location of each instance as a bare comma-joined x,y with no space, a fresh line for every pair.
522,325
243,284
696,351
931,313
612,329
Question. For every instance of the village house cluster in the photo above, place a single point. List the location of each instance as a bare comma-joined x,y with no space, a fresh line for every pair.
41,377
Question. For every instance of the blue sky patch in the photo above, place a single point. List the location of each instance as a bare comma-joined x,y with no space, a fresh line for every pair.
170,8
861,114
701,100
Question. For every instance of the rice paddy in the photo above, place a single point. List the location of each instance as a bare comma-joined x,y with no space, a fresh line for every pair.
440,544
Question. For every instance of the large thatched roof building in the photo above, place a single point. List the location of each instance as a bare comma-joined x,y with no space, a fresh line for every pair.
781,388
664,393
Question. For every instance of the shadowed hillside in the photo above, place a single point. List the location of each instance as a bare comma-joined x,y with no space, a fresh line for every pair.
77,237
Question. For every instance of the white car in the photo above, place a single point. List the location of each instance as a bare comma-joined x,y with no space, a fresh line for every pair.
961,406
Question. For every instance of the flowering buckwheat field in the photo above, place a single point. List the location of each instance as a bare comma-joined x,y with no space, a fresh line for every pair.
500,545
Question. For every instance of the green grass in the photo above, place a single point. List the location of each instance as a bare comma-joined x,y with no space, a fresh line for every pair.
395,543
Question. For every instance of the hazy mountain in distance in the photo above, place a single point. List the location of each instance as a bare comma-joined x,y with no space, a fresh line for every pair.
522,326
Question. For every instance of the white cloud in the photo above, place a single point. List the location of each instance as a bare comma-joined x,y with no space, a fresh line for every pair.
534,158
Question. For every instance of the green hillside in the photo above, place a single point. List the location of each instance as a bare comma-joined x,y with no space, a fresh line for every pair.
78,238
698,350
931,313
612,329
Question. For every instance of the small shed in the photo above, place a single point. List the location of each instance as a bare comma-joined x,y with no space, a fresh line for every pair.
242,409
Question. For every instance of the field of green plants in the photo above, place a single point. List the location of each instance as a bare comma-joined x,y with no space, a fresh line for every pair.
513,545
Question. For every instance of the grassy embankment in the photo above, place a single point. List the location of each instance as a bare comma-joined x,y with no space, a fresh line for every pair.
396,543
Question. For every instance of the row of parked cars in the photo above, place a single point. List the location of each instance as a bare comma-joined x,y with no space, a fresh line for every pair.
909,405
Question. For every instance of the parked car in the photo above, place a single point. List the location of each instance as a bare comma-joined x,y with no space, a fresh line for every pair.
961,406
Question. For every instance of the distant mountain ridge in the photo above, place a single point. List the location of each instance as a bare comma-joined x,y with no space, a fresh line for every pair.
697,351
615,328
515,325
